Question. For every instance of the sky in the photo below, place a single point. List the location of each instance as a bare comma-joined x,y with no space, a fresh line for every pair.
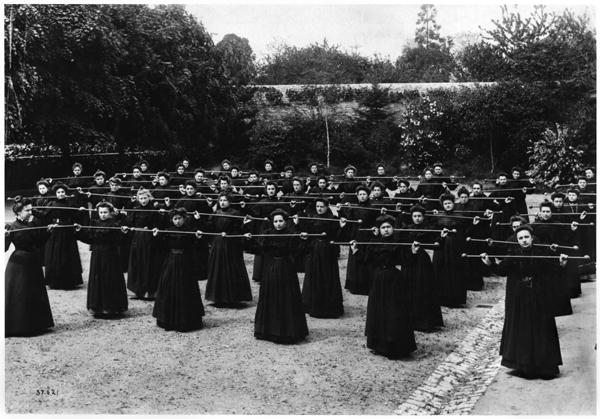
381,29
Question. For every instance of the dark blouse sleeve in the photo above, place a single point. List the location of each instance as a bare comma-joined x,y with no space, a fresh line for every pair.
7,239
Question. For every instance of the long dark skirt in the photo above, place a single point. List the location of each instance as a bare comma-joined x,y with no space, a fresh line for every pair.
322,291
389,330
474,269
124,251
200,260
61,258
280,316
425,310
106,293
561,293
300,263
449,270
258,267
228,281
178,304
144,264
358,278
26,309
529,336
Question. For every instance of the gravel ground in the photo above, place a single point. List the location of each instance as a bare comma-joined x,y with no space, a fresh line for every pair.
88,365
131,366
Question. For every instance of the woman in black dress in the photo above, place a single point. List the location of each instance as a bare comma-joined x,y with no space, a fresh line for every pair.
27,309
426,313
178,304
280,315
144,257
42,199
106,292
448,265
228,282
322,290
358,280
389,330
529,337
61,255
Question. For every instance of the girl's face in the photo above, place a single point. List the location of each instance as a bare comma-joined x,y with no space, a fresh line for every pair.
386,229
380,171
437,170
235,172
314,169
428,174
572,196
61,193
77,170
271,190
25,213
143,199
223,202
582,183
476,189
403,188
350,173
114,187
463,198
42,189
252,178
297,186
199,177
515,225
144,167
362,196
186,163
190,190
322,183
177,220
376,192
180,170
524,238
288,174
103,213
589,174
320,208
268,167
226,167
278,222
162,181
136,172
502,180
99,180
558,202
516,174
448,205
417,217
545,213
224,185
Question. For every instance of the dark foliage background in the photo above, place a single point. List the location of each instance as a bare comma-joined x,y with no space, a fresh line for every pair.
121,78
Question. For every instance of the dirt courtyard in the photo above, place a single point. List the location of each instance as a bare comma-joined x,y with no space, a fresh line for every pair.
88,365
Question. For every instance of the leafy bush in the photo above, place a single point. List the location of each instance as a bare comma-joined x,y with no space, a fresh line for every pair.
553,158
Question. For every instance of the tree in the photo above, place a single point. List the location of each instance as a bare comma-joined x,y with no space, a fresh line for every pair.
430,60
121,76
314,64
428,31
374,126
480,62
238,59
545,46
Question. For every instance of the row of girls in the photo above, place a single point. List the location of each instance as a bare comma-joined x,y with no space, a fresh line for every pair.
155,255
